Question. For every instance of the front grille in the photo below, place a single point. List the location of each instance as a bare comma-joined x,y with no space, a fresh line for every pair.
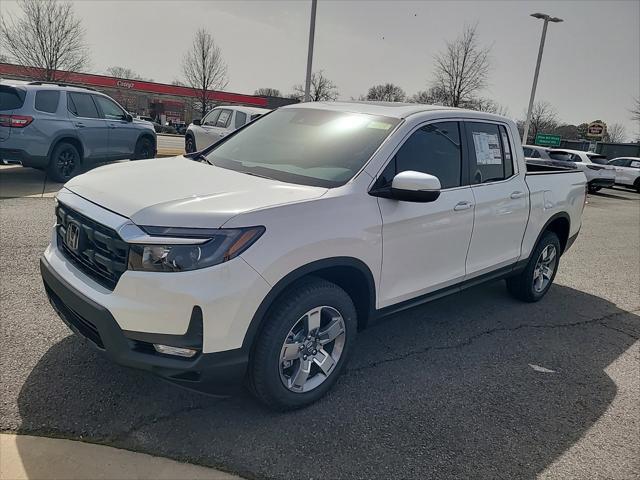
100,252
84,326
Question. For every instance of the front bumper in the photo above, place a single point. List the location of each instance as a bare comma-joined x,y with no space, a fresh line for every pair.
216,373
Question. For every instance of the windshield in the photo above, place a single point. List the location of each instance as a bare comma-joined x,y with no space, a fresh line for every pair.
305,146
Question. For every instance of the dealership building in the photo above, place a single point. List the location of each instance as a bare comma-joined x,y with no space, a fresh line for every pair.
160,101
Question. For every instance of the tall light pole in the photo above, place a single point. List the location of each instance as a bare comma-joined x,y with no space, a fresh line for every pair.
547,19
312,33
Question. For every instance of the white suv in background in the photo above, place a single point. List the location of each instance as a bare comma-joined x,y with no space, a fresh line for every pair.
598,175
627,171
217,124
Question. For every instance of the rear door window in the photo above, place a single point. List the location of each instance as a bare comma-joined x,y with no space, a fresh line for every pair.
81,105
47,101
241,119
490,158
11,98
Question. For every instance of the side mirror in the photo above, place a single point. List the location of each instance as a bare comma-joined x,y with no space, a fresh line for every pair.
197,121
128,117
413,186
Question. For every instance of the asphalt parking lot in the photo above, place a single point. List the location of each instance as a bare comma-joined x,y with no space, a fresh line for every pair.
475,385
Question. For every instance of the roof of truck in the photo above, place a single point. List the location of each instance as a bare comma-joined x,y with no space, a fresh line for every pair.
387,109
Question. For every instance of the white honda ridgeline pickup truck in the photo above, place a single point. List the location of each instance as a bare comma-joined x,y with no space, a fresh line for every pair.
257,260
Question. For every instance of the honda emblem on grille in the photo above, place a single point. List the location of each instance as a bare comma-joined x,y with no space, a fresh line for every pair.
72,238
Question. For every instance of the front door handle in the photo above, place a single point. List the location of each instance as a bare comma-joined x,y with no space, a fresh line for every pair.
112,125
516,195
463,206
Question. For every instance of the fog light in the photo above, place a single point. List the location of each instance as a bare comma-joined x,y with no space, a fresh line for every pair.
169,350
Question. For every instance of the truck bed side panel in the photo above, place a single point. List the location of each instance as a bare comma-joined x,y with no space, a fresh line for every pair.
551,194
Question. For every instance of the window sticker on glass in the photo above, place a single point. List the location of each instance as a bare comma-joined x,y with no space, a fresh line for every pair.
379,125
487,148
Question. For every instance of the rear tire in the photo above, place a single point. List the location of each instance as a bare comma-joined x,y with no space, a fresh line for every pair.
594,189
65,163
290,367
636,185
535,280
144,149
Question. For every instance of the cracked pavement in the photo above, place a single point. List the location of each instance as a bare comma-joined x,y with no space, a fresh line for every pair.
444,390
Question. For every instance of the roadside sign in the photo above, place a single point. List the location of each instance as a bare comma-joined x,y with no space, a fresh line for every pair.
547,140
596,129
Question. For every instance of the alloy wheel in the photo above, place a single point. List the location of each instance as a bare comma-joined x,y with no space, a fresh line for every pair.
545,266
66,162
312,349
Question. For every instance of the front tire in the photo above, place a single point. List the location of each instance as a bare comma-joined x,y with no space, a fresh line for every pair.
189,144
594,189
144,149
535,280
304,345
65,163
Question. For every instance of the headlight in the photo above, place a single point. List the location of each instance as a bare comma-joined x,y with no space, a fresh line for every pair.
218,246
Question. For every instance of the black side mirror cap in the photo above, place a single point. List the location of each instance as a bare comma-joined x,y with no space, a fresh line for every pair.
197,121
128,117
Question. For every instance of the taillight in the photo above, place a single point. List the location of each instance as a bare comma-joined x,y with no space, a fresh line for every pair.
15,121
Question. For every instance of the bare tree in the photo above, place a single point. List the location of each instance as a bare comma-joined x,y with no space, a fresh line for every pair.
386,93
268,92
488,105
432,96
544,119
127,73
322,89
204,68
461,70
46,35
616,133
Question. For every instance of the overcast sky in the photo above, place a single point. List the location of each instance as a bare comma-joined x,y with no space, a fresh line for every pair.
590,69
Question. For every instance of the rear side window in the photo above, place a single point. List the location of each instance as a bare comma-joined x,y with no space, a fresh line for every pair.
490,152
47,100
255,115
11,98
564,157
433,149
81,105
241,119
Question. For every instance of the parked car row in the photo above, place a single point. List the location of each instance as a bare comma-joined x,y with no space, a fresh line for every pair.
61,128
600,172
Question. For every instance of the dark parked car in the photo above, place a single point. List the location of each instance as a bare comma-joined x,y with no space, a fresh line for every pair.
61,128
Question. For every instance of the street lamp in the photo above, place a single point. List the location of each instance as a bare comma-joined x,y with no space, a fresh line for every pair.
547,19
312,32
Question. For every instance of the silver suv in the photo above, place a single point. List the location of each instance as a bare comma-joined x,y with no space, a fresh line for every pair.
61,129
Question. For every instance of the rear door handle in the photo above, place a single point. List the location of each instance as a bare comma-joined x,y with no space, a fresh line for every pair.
463,206
79,124
515,195
112,125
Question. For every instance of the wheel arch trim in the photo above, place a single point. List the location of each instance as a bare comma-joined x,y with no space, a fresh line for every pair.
292,277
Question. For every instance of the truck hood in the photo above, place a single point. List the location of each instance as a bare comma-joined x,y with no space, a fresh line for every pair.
178,192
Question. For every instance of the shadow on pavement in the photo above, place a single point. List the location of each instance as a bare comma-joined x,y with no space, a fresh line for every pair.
446,390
